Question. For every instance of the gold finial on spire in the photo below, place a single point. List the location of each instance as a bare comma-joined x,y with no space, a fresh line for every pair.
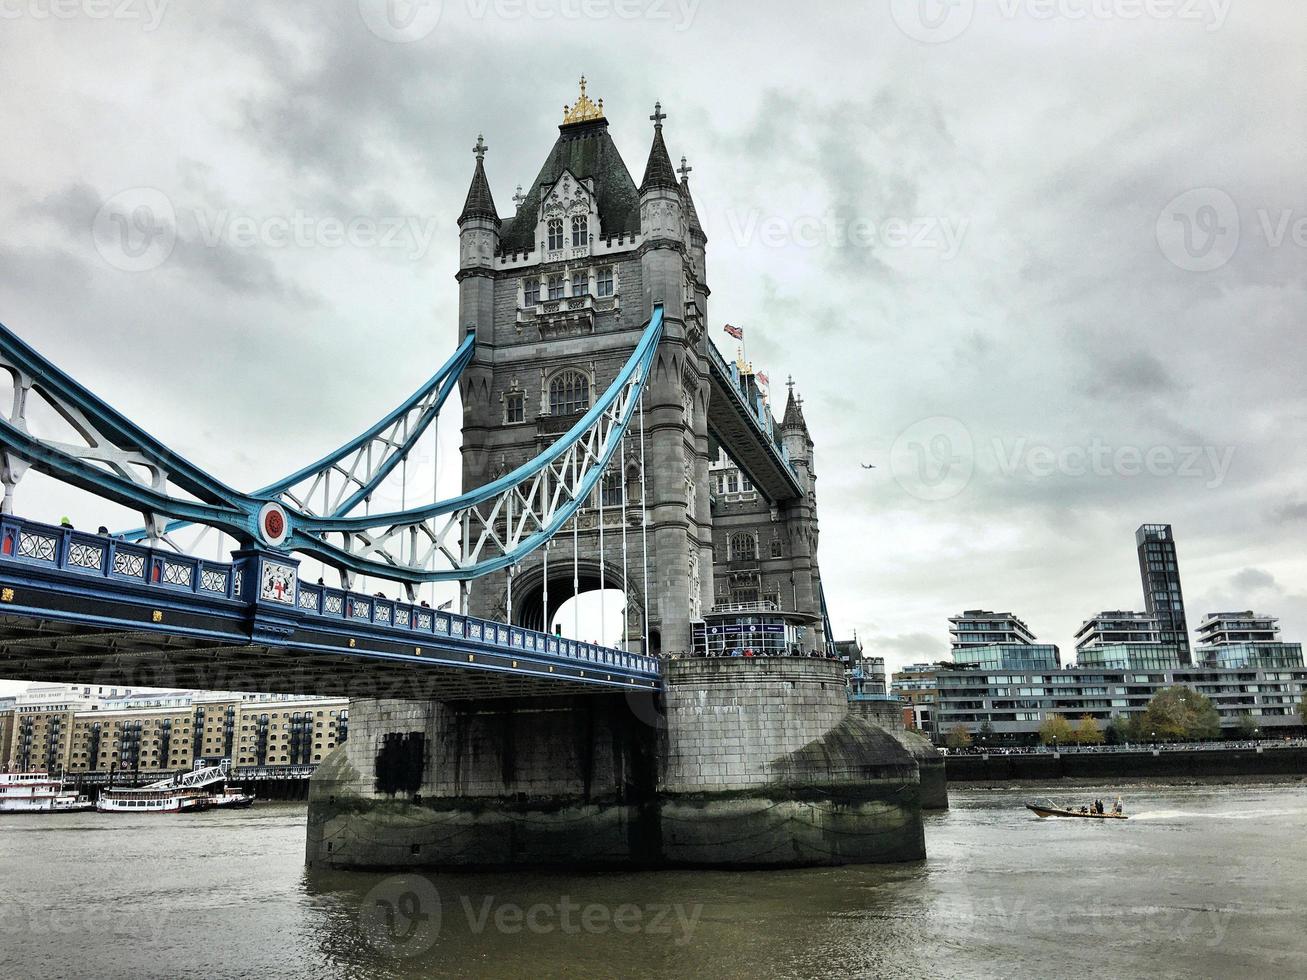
583,110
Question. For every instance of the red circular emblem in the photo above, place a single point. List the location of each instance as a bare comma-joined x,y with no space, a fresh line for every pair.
274,524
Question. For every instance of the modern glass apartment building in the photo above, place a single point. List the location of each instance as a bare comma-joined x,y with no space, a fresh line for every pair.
1245,639
980,627
1009,656
1118,626
1015,705
1129,656
1257,655
1238,627
1159,570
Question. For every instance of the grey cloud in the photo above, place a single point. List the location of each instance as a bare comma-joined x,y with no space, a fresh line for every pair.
907,647
1058,321
73,209
1128,374
1254,580
1290,512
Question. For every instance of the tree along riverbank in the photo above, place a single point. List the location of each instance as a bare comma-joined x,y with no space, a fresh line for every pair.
1120,764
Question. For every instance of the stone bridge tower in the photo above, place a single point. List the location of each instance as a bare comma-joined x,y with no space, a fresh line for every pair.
754,762
766,551
558,295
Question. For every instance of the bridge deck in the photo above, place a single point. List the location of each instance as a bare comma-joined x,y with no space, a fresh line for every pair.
747,432
87,608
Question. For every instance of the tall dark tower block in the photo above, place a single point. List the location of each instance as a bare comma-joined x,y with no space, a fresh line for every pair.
1159,571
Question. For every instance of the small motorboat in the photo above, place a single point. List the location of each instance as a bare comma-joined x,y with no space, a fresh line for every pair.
233,798
1047,808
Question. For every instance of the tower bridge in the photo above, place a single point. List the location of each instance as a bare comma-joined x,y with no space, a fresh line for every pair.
593,405
557,290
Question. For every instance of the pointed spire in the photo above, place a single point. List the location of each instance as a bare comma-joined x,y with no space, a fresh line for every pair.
691,215
793,408
658,173
480,203
583,109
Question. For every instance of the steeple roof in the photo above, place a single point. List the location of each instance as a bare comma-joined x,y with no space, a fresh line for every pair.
480,202
692,216
658,172
793,409
587,151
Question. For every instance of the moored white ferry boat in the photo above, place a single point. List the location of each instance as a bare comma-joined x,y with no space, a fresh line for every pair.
38,792
149,799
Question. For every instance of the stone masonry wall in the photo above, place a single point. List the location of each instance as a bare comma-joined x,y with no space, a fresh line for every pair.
729,718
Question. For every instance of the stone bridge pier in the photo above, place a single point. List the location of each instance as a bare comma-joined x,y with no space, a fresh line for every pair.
740,763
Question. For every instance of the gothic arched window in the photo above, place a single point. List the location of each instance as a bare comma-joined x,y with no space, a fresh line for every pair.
612,489
580,231
744,547
569,393
555,234
514,407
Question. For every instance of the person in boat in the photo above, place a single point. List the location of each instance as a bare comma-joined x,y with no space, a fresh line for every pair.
1118,809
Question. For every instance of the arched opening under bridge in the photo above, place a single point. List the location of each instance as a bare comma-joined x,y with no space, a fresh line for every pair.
580,602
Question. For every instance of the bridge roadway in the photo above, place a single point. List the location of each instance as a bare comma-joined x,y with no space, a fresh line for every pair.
88,608
741,423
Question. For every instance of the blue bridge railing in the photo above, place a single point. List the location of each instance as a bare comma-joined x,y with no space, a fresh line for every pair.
110,559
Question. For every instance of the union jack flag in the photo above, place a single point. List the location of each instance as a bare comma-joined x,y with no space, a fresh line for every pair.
736,332
763,378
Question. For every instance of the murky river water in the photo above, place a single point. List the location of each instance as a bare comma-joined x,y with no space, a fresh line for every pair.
1204,881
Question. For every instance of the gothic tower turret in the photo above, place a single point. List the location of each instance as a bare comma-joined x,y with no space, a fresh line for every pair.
662,222
682,517
800,514
478,240
697,240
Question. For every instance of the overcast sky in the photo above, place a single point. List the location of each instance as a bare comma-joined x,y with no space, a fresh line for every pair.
1042,263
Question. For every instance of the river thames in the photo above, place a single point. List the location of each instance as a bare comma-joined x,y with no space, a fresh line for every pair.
1204,881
